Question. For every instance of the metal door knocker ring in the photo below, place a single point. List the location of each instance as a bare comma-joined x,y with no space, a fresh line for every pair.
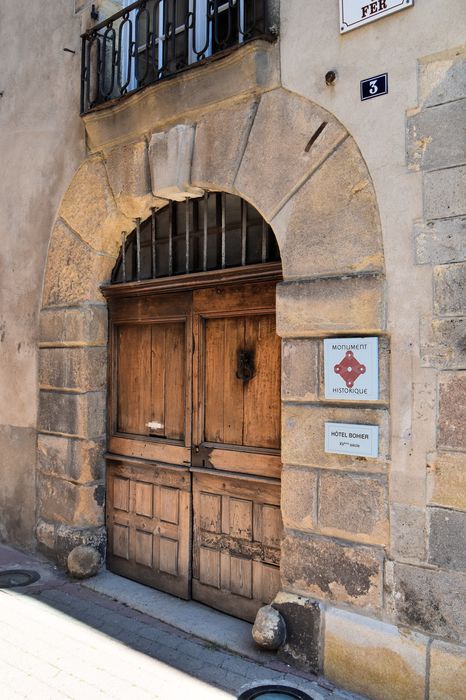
245,370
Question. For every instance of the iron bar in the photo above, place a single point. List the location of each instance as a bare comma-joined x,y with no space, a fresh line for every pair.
205,231
187,234
244,230
153,245
264,240
224,214
152,39
171,214
138,249
123,255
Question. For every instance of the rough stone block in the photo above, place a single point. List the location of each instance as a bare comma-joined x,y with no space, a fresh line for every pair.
445,193
299,498
278,155
83,369
447,671
444,343
83,562
86,326
447,539
407,532
427,599
80,461
446,480
304,430
68,537
89,208
300,370
452,411
440,242
129,176
74,271
303,624
442,77
216,160
435,137
449,289
74,415
269,629
61,501
321,307
170,156
372,658
354,507
45,534
251,70
331,225
330,570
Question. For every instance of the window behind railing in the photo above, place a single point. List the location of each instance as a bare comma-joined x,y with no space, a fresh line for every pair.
152,39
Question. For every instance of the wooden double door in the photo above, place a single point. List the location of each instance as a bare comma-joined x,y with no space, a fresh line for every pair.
193,463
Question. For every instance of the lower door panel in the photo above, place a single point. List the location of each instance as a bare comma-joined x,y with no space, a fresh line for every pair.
236,541
149,524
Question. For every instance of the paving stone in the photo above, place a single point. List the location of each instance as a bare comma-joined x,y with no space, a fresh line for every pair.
445,193
446,480
447,539
452,410
430,145
429,600
449,286
440,242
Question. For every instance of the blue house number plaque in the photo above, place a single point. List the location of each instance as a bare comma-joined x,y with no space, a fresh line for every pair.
374,87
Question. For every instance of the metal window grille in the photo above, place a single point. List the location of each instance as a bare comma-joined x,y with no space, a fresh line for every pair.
153,39
215,232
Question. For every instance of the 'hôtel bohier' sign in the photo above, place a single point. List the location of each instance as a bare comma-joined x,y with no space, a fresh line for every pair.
356,13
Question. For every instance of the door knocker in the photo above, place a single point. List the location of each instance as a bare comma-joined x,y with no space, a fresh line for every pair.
245,370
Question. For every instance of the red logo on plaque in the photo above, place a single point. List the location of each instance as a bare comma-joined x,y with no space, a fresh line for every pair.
349,369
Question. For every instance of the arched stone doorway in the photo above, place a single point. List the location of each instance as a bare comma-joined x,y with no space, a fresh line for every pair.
303,172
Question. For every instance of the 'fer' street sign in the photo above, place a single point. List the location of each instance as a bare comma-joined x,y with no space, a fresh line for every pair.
356,13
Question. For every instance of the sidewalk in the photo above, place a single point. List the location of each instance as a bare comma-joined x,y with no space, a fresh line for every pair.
63,639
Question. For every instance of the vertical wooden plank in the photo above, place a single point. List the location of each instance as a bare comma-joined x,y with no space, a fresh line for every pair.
168,562
241,519
143,499
169,505
241,577
158,378
261,398
174,380
209,565
225,576
210,512
143,549
133,389
271,526
233,387
214,372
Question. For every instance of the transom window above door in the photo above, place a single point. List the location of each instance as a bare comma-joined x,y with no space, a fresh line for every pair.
215,232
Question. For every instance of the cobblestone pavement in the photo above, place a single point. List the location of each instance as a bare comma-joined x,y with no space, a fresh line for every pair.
61,640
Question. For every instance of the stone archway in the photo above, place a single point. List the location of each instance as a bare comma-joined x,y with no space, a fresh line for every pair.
304,173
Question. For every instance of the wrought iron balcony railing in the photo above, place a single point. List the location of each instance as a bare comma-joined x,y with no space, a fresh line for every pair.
153,39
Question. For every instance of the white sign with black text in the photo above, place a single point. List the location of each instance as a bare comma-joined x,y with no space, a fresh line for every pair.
356,13
351,369
352,439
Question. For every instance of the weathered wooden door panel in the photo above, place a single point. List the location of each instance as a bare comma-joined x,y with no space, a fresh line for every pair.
195,396
149,524
236,545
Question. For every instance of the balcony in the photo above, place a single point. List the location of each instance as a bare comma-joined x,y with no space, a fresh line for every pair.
152,40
